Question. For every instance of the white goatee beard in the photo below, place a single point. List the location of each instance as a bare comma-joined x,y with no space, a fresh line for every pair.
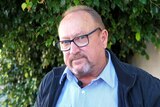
85,70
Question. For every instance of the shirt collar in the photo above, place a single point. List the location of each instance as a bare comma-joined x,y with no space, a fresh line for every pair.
108,74
67,73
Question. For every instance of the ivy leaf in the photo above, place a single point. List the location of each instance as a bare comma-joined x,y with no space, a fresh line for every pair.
119,4
49,41
23,6
26,75
27,1
29,5
96,2
76,2
63,2
154,10
143,1
1,44
138,36
135,10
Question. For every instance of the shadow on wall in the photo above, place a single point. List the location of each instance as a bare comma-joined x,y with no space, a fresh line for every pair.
153,64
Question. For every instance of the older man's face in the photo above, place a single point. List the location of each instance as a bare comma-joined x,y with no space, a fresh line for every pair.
82,61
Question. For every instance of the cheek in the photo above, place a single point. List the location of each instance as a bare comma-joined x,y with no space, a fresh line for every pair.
91,56
65,58
89,53
93,53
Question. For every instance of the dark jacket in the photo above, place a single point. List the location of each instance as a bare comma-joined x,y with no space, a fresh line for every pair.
136,88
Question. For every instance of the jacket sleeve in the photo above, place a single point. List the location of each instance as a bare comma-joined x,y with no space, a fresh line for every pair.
157,102
39,96
43,90
49,88
154,93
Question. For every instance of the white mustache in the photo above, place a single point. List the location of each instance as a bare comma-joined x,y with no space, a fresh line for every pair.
78,56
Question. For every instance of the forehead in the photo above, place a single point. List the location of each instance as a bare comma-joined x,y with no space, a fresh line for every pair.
75,23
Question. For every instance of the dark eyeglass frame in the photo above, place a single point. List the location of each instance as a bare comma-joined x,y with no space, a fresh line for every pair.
73,40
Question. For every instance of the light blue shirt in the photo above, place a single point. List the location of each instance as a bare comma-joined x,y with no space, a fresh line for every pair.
101,92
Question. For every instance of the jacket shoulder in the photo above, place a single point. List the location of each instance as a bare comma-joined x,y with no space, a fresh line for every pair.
49,80
55,72
146,87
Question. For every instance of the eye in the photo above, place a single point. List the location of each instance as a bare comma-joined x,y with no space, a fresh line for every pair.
65,42
80,37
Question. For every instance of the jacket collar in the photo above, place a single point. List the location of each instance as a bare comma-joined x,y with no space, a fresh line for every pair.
124,75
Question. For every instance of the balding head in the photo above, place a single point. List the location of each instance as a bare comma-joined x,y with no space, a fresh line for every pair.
96,17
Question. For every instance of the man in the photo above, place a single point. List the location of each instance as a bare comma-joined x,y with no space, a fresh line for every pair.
93,76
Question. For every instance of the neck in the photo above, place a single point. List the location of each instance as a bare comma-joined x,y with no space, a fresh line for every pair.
86,80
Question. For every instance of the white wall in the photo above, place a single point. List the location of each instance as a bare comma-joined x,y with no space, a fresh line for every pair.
153,64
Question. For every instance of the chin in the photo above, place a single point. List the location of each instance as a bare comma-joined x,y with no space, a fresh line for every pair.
85,69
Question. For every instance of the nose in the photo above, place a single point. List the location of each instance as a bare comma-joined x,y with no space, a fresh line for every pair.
74,48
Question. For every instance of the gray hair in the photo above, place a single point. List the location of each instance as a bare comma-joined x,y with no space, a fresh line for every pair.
96,17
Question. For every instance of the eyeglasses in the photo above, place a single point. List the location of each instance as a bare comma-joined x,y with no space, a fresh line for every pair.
80,41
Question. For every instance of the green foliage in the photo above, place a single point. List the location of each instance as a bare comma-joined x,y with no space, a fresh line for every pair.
28,33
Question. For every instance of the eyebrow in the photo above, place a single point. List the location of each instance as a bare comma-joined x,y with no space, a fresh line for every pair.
75,35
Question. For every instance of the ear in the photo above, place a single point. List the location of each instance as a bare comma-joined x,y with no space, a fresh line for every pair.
104,37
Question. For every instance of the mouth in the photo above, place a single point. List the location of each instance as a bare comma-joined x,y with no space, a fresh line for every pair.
78,61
